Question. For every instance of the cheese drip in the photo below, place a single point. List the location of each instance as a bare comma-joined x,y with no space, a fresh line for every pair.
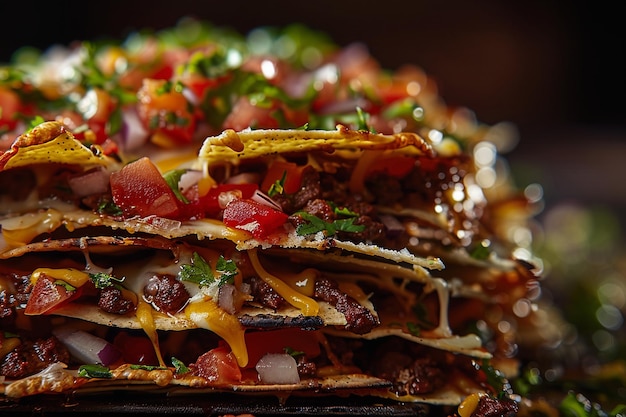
307,305
208,315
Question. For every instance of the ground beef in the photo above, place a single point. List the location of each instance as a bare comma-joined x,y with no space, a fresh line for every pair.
166,293
495,407
263,294
409,375
31,357
359,319
111,300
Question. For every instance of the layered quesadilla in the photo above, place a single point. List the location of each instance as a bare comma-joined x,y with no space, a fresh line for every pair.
204,212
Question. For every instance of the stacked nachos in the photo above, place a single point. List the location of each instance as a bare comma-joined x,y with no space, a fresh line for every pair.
208,212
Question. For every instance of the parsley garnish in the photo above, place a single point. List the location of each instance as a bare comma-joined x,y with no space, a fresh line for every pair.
200,272
292,352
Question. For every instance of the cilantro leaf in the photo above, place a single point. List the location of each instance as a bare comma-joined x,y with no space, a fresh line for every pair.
172,178
315,224
94,371
103,280
179,366
228,269
199,271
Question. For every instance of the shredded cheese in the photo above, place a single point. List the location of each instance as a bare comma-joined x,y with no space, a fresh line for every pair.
72,276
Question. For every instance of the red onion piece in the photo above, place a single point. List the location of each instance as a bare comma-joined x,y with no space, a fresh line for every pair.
134,133
278,368
87,348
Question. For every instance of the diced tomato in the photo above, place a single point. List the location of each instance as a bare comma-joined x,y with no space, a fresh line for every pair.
137,350
245,114
219,366
209,206
165,111
48,294
291,172
256,218
277,341
397,166
139,189
9,107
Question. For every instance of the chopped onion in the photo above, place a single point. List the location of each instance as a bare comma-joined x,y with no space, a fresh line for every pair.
226,298
87,348
92,182
278,368
393,226
134,133
189,179
244,178
263,198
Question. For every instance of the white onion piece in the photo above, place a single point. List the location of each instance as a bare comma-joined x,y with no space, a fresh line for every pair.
188,180
87,348
226,298
92,182
134,133
263,198
278,368
244,178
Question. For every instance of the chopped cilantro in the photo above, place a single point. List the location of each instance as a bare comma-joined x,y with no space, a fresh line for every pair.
94,371
292,352
315,224
228,270
106,206
68,287
103,280
179,366
278,186
200,272
172,178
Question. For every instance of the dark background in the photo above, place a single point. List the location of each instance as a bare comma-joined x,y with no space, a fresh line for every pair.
555,69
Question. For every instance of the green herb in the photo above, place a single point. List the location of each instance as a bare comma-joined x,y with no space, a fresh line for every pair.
68,287
103,280
292,352
495,378
413,328
315,224
94,371
198,272
577,405
106,206
179,366
228,270
278,186
173,178
362,120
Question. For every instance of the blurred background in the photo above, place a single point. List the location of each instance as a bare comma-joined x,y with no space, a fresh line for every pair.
556,70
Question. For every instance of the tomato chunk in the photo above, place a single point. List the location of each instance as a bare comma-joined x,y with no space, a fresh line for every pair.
136,349
47,294
256,218
279,169
209,203
218,365
139,189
